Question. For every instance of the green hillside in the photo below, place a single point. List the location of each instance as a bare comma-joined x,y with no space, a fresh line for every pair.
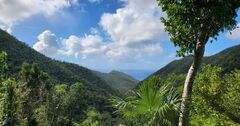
215,97
228,59
118,80
213,85
59,72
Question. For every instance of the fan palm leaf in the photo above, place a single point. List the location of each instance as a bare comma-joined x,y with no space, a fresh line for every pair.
152,104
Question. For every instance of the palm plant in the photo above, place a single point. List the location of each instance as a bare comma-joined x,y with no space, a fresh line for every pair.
154,104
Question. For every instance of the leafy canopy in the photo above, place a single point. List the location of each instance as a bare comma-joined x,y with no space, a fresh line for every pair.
3,62
192,21
8,103
216,98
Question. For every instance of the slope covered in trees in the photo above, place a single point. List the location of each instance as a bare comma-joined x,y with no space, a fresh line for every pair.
228,59
215,95
63,72
215,100
118,80
31,99
216,91
59,72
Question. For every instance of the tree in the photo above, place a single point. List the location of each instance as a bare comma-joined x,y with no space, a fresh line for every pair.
231,97
9,103
64,105
56,106
3,64
216,98
93,118
76,105
154,104
32,86
8,96
191,24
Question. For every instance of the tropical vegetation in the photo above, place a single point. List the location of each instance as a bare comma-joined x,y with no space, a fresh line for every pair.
199,91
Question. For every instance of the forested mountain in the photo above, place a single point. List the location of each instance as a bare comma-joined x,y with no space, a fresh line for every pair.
228,59
59,72
216,91
87,102
118,80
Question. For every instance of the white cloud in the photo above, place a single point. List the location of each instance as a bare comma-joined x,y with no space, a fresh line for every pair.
5,27
124,54
153,49
85,46
134,28
235,34
94,31
92,46
135,32
138,22
47,43
14,11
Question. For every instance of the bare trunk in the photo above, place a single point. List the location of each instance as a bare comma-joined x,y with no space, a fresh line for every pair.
187,91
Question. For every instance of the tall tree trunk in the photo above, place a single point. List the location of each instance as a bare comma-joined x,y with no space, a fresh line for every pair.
187,91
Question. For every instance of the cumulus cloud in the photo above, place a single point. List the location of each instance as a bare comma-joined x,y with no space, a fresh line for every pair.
135,27
235,34
85,46
116,53
136,23
134,31
92,46
47,43
153,49
14,11
129,54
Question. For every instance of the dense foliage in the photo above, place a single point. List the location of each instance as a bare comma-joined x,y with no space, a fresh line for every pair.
3,62
30,98
96,90
63,106
8,103
216,98
156,103
59,72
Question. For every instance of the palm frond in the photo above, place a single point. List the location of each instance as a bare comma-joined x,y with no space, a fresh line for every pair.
151,104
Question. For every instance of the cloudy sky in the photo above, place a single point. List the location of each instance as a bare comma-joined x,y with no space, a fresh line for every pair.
98,34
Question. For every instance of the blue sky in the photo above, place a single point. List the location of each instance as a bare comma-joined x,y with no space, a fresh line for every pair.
102,35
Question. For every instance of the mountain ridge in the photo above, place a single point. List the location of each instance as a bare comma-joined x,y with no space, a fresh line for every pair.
228,59
58,71
118,80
